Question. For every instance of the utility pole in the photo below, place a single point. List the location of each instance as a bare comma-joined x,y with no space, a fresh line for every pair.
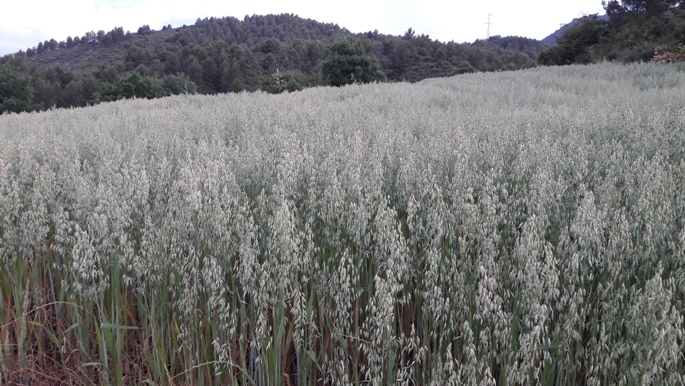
489,24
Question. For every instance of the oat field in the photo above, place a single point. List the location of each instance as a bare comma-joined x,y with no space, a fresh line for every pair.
519,228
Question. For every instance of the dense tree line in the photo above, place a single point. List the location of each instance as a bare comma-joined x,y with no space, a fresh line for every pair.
274,53
635,30
101,37
25,88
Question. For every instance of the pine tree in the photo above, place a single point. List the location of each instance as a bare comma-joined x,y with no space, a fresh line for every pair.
348,65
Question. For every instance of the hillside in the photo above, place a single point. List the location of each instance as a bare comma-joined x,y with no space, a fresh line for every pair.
92,55
630,31
551,39
273,53
97,49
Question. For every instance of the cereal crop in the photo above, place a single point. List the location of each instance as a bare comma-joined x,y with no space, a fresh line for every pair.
514,228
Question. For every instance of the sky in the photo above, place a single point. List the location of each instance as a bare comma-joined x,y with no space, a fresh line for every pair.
24,23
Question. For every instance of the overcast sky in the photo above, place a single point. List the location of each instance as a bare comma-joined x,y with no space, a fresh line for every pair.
24,23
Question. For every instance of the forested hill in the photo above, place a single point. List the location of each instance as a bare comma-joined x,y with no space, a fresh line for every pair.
551,39
631,30
273,53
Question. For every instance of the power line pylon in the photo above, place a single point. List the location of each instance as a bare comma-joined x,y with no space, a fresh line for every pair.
489,24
